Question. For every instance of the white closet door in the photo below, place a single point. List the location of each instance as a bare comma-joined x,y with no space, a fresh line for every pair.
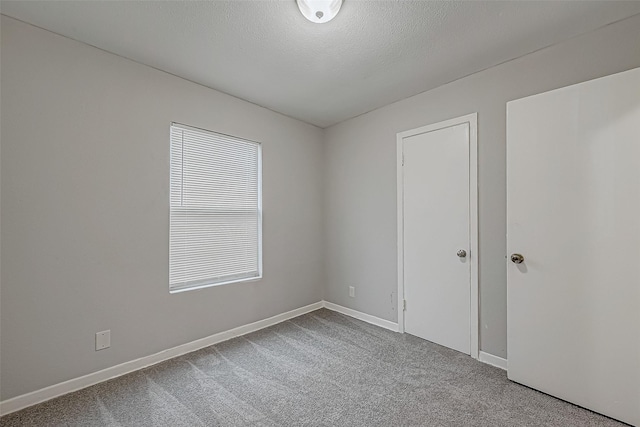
437,273
573,207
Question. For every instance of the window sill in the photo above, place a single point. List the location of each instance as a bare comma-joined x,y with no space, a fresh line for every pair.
210,285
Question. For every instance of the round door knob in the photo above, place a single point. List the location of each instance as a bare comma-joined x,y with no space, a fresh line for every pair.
461,253
517,258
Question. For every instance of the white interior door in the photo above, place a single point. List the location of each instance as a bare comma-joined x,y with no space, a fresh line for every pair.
573,208
436,233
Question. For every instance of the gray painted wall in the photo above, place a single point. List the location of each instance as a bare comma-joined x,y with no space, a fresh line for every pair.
360,171
85,190
84,187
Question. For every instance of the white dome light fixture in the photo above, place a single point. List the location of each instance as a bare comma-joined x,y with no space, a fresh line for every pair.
319,11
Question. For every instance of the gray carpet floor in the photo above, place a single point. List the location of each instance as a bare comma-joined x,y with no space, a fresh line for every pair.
320,369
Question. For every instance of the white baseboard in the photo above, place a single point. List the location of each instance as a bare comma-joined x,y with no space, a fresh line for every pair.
47,393
362,316
20,402
492,360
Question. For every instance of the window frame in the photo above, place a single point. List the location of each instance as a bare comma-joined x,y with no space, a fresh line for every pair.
207,283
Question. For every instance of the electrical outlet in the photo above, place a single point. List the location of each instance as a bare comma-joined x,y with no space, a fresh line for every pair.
103,340
352,291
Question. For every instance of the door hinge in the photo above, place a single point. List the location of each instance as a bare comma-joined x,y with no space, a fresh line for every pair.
402,159
404,305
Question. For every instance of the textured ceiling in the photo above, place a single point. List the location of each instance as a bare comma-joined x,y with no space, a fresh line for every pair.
373,53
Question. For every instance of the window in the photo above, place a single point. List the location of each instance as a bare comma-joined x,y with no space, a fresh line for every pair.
215,209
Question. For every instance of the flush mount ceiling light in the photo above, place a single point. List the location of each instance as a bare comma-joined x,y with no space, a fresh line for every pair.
319,11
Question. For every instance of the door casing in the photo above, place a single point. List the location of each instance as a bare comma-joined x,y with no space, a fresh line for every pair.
472,120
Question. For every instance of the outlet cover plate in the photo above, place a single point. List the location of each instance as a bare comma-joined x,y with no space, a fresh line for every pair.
103,340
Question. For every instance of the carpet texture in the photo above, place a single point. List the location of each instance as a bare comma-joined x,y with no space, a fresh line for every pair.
320,369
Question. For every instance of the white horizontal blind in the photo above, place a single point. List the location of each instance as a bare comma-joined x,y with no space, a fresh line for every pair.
215,226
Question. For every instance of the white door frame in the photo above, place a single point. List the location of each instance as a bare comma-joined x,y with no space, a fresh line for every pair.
472,119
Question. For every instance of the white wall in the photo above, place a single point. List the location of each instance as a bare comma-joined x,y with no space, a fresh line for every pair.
85,190
360,171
